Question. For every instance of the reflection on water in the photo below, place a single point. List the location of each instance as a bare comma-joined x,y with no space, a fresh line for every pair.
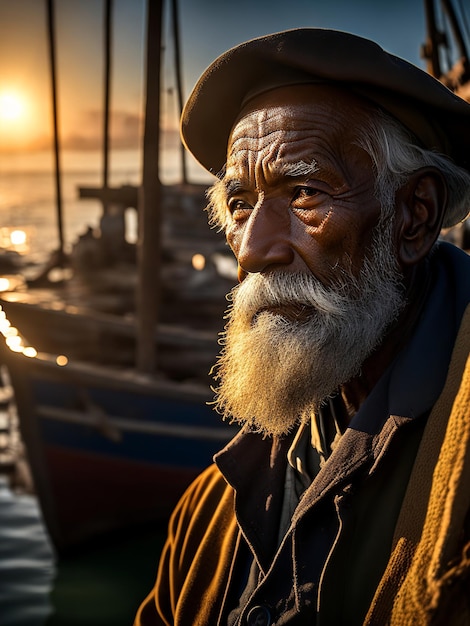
13,339
15,239
27,565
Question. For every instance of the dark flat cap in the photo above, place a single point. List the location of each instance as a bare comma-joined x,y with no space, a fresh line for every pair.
436,116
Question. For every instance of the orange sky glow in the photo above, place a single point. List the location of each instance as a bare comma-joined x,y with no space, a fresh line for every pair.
25,85
208,27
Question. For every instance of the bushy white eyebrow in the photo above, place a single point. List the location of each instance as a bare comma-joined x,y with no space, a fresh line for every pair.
301,168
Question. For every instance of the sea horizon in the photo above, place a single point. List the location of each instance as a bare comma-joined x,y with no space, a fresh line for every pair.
28,194
121,160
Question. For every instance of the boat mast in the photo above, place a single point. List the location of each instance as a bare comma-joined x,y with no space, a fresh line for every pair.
150,209
107,80
179,86
58,189
435,38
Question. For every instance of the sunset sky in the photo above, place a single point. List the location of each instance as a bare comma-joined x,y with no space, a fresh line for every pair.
208,27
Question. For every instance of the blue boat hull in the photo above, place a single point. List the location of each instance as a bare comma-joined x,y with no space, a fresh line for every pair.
108,448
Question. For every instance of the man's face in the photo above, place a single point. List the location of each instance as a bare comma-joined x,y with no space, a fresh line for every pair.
300,192
319,278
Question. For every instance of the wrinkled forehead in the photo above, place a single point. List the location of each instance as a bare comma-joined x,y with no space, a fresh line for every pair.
296,116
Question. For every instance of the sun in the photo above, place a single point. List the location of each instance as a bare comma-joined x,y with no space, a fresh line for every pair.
12,106
17,122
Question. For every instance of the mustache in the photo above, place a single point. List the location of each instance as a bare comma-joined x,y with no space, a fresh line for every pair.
293,295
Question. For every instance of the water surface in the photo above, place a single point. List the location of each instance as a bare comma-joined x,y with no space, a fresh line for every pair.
27,563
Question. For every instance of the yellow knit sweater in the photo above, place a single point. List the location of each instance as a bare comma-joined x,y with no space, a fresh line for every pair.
427,580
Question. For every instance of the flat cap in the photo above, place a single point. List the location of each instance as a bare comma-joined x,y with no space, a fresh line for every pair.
436,116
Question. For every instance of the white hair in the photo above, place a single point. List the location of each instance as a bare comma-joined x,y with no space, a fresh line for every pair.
396,155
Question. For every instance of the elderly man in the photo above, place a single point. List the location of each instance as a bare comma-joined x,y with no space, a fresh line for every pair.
344,499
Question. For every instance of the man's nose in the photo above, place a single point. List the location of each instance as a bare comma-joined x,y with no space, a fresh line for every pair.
265,241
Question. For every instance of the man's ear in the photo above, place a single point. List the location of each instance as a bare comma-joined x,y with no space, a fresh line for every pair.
420,206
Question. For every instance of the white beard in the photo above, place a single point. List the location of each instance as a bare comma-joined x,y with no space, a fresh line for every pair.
290,342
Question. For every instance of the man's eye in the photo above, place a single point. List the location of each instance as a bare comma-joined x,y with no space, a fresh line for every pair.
236,203
303,196
239,208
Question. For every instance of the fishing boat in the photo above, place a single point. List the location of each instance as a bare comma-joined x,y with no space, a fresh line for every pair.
108,448
113,401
